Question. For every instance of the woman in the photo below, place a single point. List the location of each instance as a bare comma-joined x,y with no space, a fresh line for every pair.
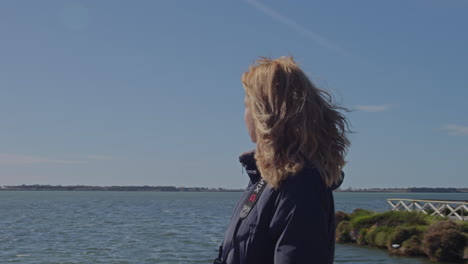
286,215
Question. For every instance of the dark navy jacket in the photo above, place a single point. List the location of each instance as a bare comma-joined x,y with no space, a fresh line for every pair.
292,224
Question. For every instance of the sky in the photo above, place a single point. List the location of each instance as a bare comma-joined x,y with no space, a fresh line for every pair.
149,92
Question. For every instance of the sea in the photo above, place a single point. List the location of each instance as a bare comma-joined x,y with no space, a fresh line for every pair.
78,227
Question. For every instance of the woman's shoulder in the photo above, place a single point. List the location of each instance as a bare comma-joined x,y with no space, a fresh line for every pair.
306,178
304,195
304,185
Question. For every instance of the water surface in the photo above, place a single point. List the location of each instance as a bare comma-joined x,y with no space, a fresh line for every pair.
145,227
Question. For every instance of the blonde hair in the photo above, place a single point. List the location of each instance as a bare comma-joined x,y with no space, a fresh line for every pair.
295,122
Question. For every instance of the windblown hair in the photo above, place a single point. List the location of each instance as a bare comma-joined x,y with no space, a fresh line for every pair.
296,123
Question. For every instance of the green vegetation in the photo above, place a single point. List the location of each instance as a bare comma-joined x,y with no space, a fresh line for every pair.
405,233
444,240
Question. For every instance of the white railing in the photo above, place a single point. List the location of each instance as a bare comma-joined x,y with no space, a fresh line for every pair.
452,209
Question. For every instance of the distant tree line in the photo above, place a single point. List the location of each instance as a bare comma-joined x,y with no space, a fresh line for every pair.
37,187
438,190
411,190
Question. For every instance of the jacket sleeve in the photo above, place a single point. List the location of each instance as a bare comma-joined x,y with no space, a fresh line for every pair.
302,229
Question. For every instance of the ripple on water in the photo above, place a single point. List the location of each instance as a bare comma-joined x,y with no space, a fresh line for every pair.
137,227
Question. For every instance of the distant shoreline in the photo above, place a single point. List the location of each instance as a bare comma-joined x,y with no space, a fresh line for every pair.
146,188
409,190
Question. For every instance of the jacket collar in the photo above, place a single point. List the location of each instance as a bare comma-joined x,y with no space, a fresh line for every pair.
247,161
338,184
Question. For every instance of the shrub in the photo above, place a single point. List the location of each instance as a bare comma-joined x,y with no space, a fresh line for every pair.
365,221
343,232
370,235
402,234
412,247
444,241
340,216
409,240
360,212
381,239
361,237
416,233
378,235
464,226
391,219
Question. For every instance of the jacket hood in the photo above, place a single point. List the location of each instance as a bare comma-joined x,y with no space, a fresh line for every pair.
247,159
338,184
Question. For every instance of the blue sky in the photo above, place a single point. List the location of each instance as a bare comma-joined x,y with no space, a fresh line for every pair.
149,92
